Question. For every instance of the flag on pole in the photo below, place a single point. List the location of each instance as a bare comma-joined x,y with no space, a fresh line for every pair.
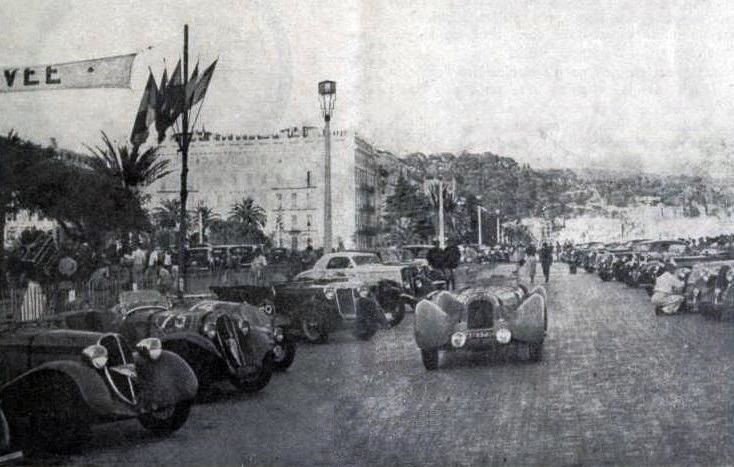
202,84
191,85
108,72
146,112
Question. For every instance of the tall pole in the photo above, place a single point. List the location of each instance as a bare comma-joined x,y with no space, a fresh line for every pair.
497,213
327,185
201,226
184,167
479,220
441,239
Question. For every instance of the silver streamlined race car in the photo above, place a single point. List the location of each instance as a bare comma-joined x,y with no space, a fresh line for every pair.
497,313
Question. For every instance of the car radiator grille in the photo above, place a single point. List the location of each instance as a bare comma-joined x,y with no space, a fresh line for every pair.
230,341
119,354
480,315
345,301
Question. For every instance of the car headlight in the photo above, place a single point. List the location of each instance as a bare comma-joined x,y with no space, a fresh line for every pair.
730,275
406,284
244,326
705,277
503,335
278,334
458,339
150,348
96,355
210,330
696,292
179,322
268,309
329,293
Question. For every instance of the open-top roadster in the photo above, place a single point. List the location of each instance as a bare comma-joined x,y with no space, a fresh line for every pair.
56,383
219,340
499,312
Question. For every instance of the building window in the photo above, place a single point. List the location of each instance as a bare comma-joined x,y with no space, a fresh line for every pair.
309,220
294,200
294,222
279,200
308,178
308,200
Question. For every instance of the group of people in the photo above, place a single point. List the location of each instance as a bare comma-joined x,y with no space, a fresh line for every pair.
528,258
445,260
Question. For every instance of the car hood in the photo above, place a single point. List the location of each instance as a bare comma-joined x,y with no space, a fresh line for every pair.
40,338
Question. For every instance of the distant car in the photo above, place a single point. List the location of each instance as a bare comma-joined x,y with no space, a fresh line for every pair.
497,313
704,291
56,383
199,258
219,340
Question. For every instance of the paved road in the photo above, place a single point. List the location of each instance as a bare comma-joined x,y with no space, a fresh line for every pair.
617,385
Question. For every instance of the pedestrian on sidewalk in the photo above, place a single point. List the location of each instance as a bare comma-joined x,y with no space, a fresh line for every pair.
531,261
546,259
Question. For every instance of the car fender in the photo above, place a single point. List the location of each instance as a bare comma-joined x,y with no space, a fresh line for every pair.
165,381
527,323
90,384
433,326
260,343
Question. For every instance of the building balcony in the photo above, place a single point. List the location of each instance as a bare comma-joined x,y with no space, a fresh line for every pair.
367,209
366,188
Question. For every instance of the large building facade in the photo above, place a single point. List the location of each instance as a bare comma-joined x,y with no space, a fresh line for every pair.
284,174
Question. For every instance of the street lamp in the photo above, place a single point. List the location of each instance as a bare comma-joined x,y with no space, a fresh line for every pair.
479,220
327,97
497,214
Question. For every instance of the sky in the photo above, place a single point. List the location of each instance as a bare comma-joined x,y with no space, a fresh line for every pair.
635,85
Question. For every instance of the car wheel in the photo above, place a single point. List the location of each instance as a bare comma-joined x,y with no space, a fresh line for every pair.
58,432
254,381
398,313
430,359
166,420
658,311
313,327
649,291
536,352
286,357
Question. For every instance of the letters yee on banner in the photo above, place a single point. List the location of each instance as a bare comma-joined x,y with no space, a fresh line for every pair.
108,72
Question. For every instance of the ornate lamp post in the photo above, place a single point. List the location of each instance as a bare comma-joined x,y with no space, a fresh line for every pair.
327,97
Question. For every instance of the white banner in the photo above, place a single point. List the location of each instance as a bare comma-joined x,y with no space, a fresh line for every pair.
108,72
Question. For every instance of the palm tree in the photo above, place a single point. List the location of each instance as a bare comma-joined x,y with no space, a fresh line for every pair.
249,214
203,216
167,215
131,168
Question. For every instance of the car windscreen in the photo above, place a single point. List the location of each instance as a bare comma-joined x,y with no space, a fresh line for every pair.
366,259
197,256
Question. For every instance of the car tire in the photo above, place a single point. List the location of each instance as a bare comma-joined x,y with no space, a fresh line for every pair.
658,311
167,420
398,313
313,327
289,355
430,359
256,382
535,352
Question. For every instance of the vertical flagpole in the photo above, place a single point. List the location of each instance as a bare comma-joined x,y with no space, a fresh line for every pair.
184,167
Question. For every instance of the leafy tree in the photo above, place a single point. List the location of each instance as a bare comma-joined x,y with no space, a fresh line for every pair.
131,168
408,202
249,214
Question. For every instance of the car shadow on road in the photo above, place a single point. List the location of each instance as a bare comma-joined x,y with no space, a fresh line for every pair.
501,356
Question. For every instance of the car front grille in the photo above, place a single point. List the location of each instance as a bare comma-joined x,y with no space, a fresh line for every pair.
480,315
345,301
230,341
119,356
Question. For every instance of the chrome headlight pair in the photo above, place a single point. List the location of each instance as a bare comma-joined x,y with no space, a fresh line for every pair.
96,355
329,293
244,326
209,329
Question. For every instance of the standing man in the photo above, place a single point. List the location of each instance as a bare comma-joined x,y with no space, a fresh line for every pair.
452,260
139,257
546,259
531,261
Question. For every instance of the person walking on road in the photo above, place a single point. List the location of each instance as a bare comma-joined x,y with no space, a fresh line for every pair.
531,261
451,262
546,259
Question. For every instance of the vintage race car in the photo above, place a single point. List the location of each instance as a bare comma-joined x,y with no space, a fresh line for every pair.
56,383
315,308
219,340
497,313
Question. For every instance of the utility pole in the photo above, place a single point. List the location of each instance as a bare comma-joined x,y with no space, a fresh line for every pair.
184,168
441,239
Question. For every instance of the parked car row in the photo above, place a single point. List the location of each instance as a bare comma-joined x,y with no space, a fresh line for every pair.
705,277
